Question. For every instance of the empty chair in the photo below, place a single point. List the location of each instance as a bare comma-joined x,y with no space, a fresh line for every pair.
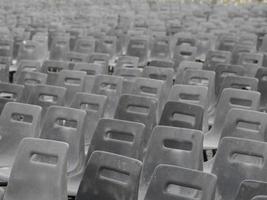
31,50
162,63
85,45
47,95
17,121
250,189
181,114
91,69
67,125
73,57
94,105
120,137
247,124
185,65
239,49
107,44
110,176
225,70
243,159
6,47
138,109
127,62
160,48
59,48
39,169
175,183
204,42
52,69
185,38
215,57
261,76
101,58
73,81
182,53
171,146
260,197
226,42
9,93
28,65
138,47
263,47
191,94
151,88
251,62
110,86
4,70
230,98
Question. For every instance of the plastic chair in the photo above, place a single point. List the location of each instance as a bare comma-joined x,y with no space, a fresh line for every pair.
138,109
185,65
261,75
107,44
59,48
120,137
6,48
250,189
74,57
31,50
162,63
243,159
251,62
160,48
110,86
47,95
175,183
85,45
52,69
171,146
185,38
94,105
17,121
260,197
4,69
39,171
110,176
100,58
230,98
67,125
226,42
224,70
91,69
73,81
10,93
27,65
182,53
127,62
215,57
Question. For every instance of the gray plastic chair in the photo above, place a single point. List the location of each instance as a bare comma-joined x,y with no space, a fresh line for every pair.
31,50
177,183
242,159
17,121
74,57
226,42
107,44
162,63
184,52
138,109
261,76
59,48
185,38
85,45
6,47
101,58
230,98
52,69
215,57
10,93
172,146
186,65
91,69
4,69
67,125
181,114
27,65
160,48
260,197
39,171
192,94
110,86
127,62
120,137
251,62
73,81
110,176
238,49
94,105
251,189
225,70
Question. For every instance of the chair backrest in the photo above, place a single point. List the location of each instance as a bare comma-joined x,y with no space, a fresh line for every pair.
31,78
4,69
127,62
251,62
31,50
91,69
243,123
27,65
162,63
186,65
52,69
251,189
238,49
73,81
225,70
242,159
261,75
226,42
172,146
107,44
181,114
110,86
160,48
59,48
17,121
38,165
185,38
173,183
85,45
74,57
6,47
10,93
101,58
215,57
119,137
94,105
184,52
110,176
67,125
